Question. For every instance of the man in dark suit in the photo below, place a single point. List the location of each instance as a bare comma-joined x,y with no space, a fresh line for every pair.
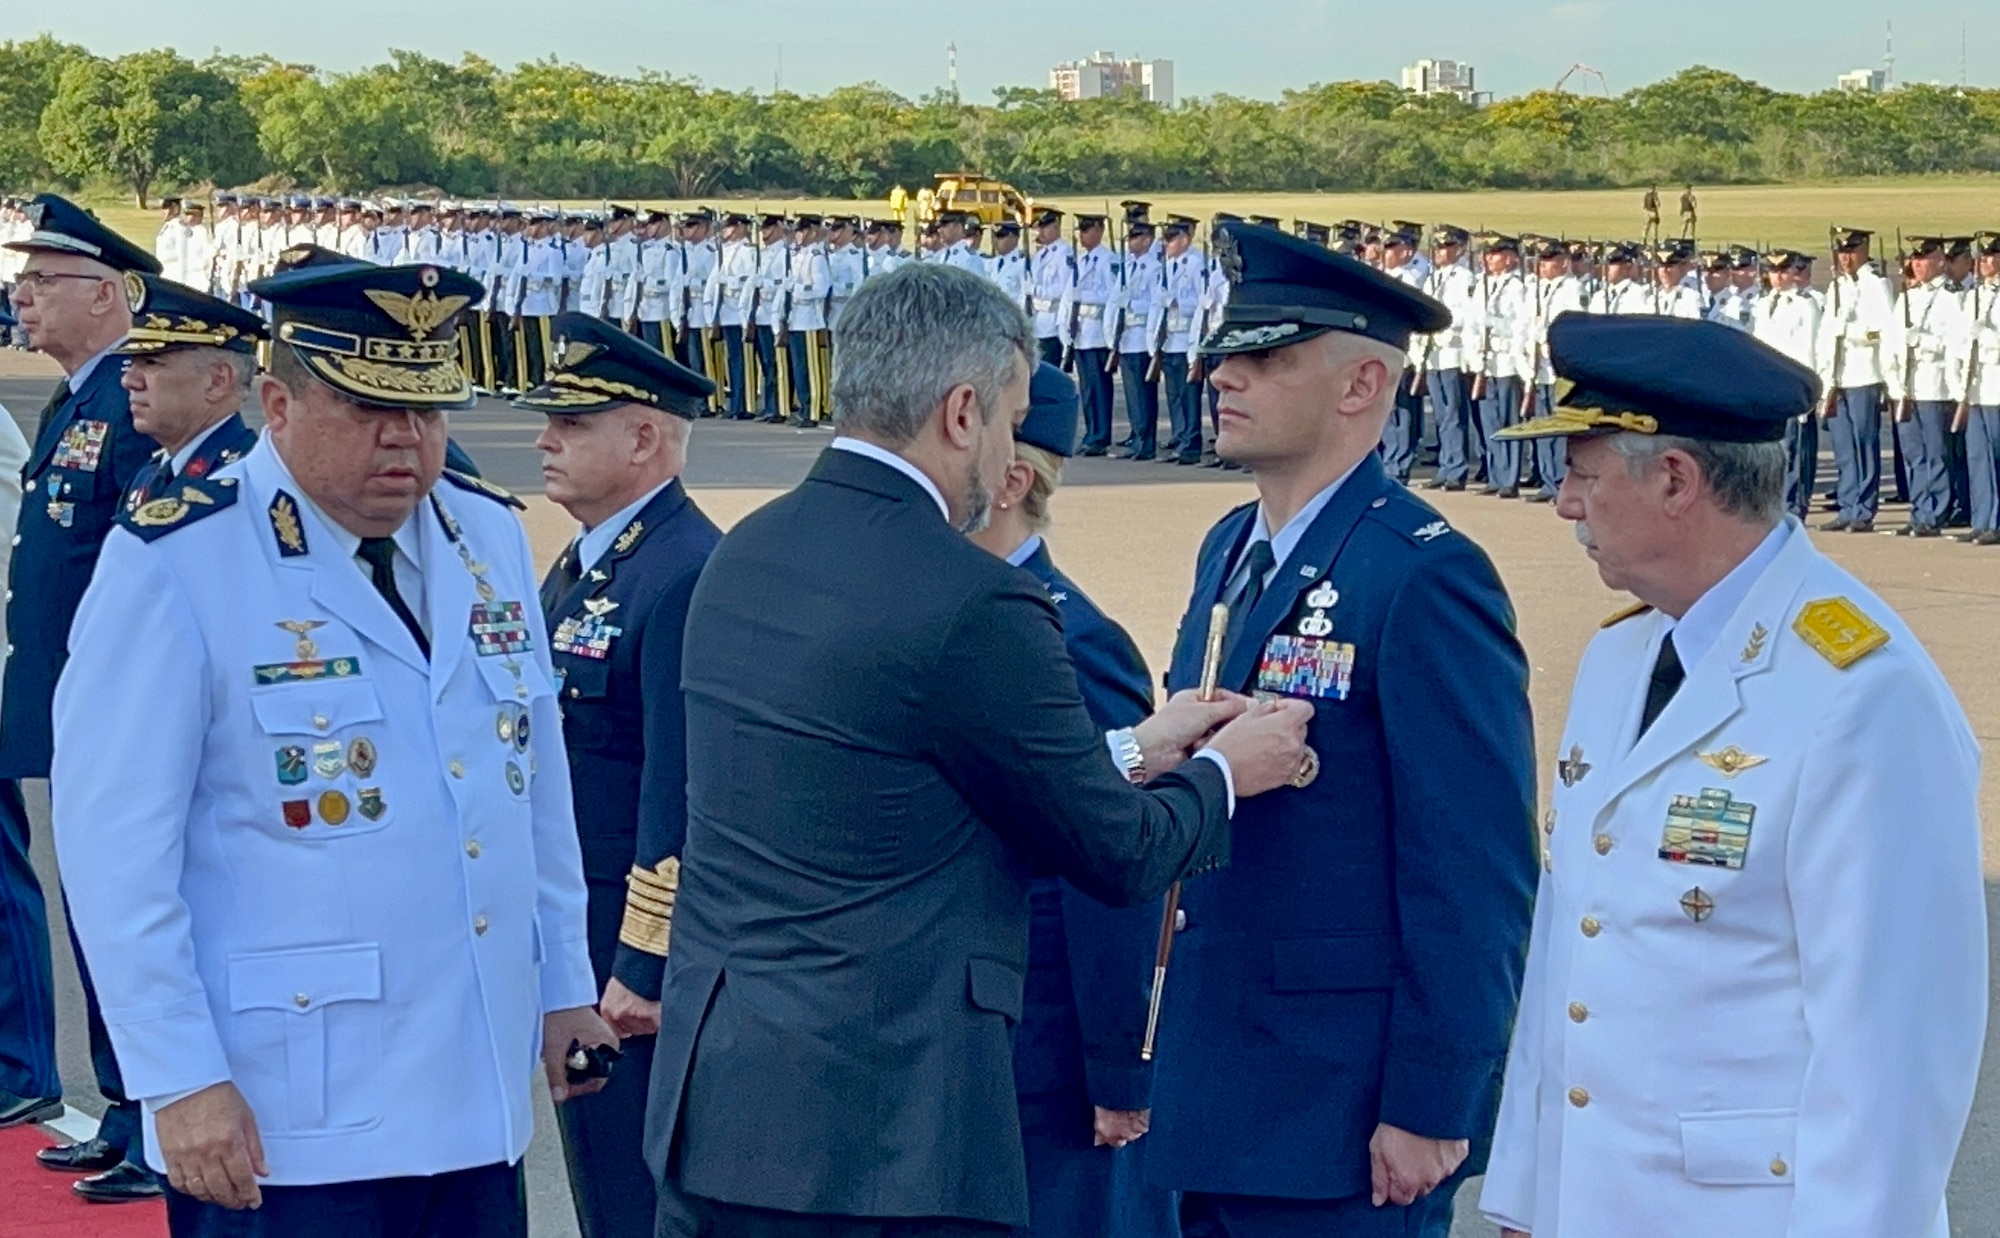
74,301
619,418
1337,1019
885,738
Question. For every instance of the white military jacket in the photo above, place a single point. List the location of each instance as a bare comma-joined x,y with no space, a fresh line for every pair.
1927,345
1756,988
1053,272
1982,306
1858,310
304,860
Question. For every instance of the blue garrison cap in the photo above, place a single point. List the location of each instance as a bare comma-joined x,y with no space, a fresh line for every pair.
168,315
386,337
1679,376
1051,420
62,227
595,366
1284,291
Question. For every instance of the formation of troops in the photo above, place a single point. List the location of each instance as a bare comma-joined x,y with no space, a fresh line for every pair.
823,902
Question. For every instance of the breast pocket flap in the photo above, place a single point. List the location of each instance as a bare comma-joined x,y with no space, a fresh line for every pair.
303,981
315,708
1752,1147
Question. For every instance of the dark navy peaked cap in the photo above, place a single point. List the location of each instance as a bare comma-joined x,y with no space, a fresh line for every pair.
168,315
1284,290
386,337
62,227
1052,416
1678,376
595,367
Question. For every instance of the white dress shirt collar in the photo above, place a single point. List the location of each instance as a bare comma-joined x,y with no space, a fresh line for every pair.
1285,540
593,544
1696,632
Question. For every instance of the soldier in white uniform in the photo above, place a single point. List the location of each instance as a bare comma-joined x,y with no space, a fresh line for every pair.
774,273
846,266
1052,274
1555,292
197,270
1175,315
809,346
700,347
1622,292
595,277
653,284
422,242
1787,317
1405,427
1671,294
621,255
541,292
1442,359
731,287
1858,309
171,240
1982,394
1756,989
1141,281
334,903
1499,335
1082,316
1008,266
1925,349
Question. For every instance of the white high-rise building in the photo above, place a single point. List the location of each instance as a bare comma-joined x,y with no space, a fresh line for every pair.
1440,77
1863,81
1103,75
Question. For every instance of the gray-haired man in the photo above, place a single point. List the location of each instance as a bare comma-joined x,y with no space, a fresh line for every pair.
883,727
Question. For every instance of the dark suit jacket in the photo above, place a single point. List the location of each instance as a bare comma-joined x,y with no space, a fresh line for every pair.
74,486
1361,960
1089,966
622,718
884,737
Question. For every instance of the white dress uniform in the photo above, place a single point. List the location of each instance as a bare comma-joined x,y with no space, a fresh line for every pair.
960,254
575,256
1859,309
1756,991
327,871
1179,306
542,279
845,268
1924,350
807,287
1789,321
197,259
1144,280
420,246
1626,296
1553,298
1010,272
1500,329
1458,288
169,245
622,258
731,283
1095,285
385,247
1982,305
1053,270
596,277
774,274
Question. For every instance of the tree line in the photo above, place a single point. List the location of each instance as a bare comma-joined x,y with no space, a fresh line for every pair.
157,120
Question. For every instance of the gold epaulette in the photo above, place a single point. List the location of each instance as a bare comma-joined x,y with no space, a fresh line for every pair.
1618,617
1838,631
479,485
649,906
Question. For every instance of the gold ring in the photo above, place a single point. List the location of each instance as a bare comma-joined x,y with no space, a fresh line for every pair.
1308,770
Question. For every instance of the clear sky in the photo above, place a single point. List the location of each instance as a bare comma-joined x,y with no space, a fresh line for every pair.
1256,49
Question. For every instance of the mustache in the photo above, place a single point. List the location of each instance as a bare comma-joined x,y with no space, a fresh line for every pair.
1583,535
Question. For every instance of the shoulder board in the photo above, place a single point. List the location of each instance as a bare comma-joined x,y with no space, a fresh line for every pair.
1410,516
1618,617
1838,631
190,501
479,485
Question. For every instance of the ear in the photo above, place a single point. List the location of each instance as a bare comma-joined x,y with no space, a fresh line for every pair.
1684,482
1014,487
961,418
277,400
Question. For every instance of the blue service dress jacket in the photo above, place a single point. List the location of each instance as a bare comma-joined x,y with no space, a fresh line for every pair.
72,490
1360,960
227,443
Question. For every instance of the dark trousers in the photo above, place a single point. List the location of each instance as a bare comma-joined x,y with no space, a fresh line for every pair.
1076,1190
1801,463
27,994
1249,1216
1982,465
1552,453
811,356
1183,409
1403,430
1050,348
1856,430
732,345
503,352
488,1202
1142,403
690,1216
767,373
1093,384
476,343
532,362
654,333
1958,510
1500,407
1451,409
1923,440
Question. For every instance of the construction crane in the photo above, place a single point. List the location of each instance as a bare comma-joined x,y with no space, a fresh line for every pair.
1587,71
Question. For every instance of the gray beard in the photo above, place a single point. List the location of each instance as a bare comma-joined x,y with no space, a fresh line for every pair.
978,503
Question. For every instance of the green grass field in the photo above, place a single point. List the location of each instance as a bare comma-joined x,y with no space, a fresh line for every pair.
1761,215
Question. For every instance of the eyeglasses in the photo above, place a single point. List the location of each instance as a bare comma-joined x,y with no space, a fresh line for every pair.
36,281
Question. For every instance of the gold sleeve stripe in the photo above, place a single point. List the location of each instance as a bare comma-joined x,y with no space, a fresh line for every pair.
649,906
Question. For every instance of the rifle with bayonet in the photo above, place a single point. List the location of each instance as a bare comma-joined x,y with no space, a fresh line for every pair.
1907,406
1075,306
1157,345
1838,314
1114,311
1963,413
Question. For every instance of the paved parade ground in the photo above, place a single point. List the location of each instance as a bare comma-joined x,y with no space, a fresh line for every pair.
1127,533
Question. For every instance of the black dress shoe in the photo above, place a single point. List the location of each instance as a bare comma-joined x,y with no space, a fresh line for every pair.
770,419
1508,492
1925,530
1986,537
123,1183
739,416
1090,451
1137,455
1541,496
1968,538
17,1110
1861,526
1188,457
1836,525
89,1157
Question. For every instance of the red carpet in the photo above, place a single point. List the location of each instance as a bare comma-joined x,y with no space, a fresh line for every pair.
35,1203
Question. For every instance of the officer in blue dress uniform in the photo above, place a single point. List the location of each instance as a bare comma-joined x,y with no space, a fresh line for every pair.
620,415
74,302
1084,1094
1337,1015
176,331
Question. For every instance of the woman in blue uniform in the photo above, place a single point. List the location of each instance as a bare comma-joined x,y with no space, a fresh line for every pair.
1084,1093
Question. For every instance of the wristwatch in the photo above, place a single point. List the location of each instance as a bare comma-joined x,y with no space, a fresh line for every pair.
1130,756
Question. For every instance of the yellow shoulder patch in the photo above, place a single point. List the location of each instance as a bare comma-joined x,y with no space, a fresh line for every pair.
1618,617
1838,630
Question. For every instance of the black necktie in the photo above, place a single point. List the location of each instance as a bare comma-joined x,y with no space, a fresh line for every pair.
1667,676
49,410
379,553
1247,587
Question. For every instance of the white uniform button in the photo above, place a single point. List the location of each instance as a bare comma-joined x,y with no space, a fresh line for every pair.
1578,1097
319,722
1603,844
479,925
16,541
301,1000
457,769
1591,927
472,848
31,487
1778,1167
1578,1012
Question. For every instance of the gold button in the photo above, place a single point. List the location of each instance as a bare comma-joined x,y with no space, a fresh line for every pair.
479,925
1603,844
1579,1097
319,721
1578,1012
472,848
301,1000
1591,927
1778,1167
457,769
